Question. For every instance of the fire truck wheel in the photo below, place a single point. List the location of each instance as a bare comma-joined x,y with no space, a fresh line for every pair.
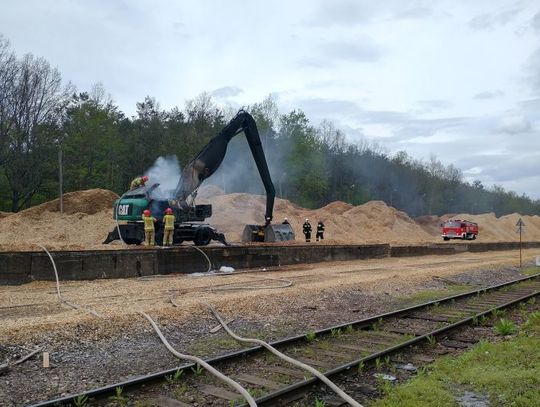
446,238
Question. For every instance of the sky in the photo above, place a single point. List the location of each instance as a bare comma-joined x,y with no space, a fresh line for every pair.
458,80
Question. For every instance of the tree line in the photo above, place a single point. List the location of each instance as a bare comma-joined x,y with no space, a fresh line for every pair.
101,147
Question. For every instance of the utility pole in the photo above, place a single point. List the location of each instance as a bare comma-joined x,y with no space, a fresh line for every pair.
520,226
60,180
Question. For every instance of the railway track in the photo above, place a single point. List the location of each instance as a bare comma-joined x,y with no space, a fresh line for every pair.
334,351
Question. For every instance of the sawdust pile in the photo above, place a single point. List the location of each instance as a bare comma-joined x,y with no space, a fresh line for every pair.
373,222
491,228
87,219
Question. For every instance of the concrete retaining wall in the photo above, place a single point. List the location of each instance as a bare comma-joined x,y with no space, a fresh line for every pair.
23,267
20,268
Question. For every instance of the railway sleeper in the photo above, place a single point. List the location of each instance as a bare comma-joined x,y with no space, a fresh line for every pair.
258,381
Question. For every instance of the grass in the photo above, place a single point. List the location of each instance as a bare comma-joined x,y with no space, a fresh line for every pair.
222,342
197,370
80,401
118,399
334,333
504,327
431,294
508,372
531,270
431,340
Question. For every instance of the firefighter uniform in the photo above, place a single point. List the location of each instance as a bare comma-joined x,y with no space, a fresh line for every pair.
168,234
320,231
149,230
138,182
306,227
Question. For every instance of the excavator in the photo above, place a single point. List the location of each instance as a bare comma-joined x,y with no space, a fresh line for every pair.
188,227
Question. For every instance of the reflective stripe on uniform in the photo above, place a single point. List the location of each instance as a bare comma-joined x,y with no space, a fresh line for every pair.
169,222
148,223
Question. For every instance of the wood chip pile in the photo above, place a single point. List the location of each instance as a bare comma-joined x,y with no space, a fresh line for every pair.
87,219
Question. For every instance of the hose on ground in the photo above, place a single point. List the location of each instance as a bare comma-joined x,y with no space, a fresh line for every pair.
207,259
295,362
59,294
202,363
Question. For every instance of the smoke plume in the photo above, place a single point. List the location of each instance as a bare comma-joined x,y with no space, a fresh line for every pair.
166,172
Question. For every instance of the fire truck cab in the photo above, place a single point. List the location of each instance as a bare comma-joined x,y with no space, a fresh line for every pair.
459,229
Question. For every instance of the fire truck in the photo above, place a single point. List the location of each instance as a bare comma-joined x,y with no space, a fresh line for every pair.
459,229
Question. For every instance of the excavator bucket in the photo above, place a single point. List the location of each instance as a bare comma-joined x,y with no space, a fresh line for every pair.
270,233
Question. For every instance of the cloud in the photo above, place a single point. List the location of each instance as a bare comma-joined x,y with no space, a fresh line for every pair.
533,70
489,21
536,22
362,50
342,12
488,95
514,124
414,13
356,12
336,108
226,92
504,167
435,104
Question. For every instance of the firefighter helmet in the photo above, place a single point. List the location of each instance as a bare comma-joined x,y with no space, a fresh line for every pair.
168,211
146,212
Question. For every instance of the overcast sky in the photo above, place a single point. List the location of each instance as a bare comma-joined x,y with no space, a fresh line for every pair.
458,79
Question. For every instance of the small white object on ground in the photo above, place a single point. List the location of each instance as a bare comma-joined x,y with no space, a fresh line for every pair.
538,260
385,377
226,269
409,367
46,359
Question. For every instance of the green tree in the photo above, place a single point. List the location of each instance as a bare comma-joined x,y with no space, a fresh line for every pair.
91,144
305,159
30,118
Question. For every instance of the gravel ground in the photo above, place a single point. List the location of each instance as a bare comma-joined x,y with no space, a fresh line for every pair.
88,352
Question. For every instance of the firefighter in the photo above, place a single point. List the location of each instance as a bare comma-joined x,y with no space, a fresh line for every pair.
149,230
285,222
306,227
168,221
138,182
320,231
260,235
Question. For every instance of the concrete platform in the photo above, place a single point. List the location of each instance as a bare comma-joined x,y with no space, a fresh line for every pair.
24,267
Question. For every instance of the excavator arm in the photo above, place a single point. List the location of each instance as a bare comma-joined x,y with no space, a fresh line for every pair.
211,156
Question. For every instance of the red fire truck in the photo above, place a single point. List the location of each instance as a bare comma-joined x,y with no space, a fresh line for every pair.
459,229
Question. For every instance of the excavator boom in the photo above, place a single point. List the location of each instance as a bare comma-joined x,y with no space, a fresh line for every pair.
211,156
130,206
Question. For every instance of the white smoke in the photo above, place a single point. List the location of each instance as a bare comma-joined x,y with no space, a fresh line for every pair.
165,172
